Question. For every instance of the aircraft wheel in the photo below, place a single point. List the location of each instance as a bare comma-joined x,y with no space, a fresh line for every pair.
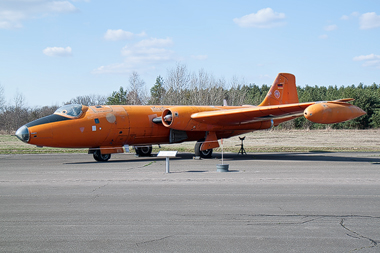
101,158
205,153
143,151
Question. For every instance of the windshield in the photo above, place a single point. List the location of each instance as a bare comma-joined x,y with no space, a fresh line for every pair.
71,111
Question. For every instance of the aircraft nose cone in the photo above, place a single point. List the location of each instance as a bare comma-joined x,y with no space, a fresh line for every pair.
23,133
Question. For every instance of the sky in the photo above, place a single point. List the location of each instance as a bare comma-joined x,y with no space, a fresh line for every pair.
53,51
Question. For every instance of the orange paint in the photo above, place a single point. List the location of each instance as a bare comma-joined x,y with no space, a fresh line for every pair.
331,112
106,129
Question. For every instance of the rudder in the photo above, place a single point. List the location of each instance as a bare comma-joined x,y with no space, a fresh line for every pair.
283,91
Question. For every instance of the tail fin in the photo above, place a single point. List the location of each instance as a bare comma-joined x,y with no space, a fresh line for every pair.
283,91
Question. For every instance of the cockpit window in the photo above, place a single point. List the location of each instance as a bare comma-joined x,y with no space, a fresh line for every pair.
71,111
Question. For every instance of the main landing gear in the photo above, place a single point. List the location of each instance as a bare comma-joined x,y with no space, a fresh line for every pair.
101,158
143,151
203,154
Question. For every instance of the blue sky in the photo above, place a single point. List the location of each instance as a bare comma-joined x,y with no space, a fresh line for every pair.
52,51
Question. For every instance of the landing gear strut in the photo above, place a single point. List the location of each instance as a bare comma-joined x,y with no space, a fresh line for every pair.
205,153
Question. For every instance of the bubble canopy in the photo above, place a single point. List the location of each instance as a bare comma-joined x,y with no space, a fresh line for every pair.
70,111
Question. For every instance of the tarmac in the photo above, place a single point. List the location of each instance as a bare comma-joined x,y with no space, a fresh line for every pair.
267,202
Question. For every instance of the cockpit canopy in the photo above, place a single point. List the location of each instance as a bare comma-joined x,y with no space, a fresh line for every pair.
70,111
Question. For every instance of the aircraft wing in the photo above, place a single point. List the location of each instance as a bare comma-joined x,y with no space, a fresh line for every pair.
245,115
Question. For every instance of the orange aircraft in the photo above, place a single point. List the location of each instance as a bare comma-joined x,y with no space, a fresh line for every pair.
105,129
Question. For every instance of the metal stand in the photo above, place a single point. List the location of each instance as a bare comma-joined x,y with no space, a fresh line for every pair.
242,150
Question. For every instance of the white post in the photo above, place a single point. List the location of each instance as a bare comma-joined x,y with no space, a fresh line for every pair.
167,165
221,140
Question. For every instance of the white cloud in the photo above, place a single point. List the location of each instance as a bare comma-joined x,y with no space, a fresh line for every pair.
264,18
117,68
347,17
355,14
323,36
366,57
370,60
14,13
153,42
199,57
121,35
143,56
369,20
58,6
11,19
330,28
57,51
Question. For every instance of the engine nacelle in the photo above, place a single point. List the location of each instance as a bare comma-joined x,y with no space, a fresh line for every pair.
179,118
332,112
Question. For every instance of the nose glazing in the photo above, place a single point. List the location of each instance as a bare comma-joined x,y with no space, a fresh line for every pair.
23,133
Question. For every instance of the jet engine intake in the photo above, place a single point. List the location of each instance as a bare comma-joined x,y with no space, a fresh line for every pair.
178,117
167,117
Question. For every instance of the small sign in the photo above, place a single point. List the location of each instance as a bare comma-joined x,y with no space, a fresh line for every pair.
167,153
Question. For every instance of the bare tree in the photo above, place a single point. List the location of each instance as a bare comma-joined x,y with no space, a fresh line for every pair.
205,89
39,112
19,100
20,112
2,99
89,100
236,95
199,83
136,90
14,116
217,91
176,84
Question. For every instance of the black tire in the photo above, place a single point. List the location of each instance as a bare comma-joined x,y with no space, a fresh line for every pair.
143,151
203,154
101,158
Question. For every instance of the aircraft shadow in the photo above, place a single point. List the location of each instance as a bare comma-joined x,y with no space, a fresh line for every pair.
302,156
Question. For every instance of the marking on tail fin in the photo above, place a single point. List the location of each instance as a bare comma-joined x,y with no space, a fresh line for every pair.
277,94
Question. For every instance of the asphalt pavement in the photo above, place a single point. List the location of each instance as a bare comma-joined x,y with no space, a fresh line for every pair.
267,202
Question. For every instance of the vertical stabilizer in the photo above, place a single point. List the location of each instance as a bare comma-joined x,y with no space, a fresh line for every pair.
283,91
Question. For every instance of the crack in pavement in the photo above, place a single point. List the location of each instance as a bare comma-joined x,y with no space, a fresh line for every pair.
150,241
289,219
358,236
97,195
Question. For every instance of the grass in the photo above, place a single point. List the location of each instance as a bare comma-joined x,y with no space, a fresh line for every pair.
9,144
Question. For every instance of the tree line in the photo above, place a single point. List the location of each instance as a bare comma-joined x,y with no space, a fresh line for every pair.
182,87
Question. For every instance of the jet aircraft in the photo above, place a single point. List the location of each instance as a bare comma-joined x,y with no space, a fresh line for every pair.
105,129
